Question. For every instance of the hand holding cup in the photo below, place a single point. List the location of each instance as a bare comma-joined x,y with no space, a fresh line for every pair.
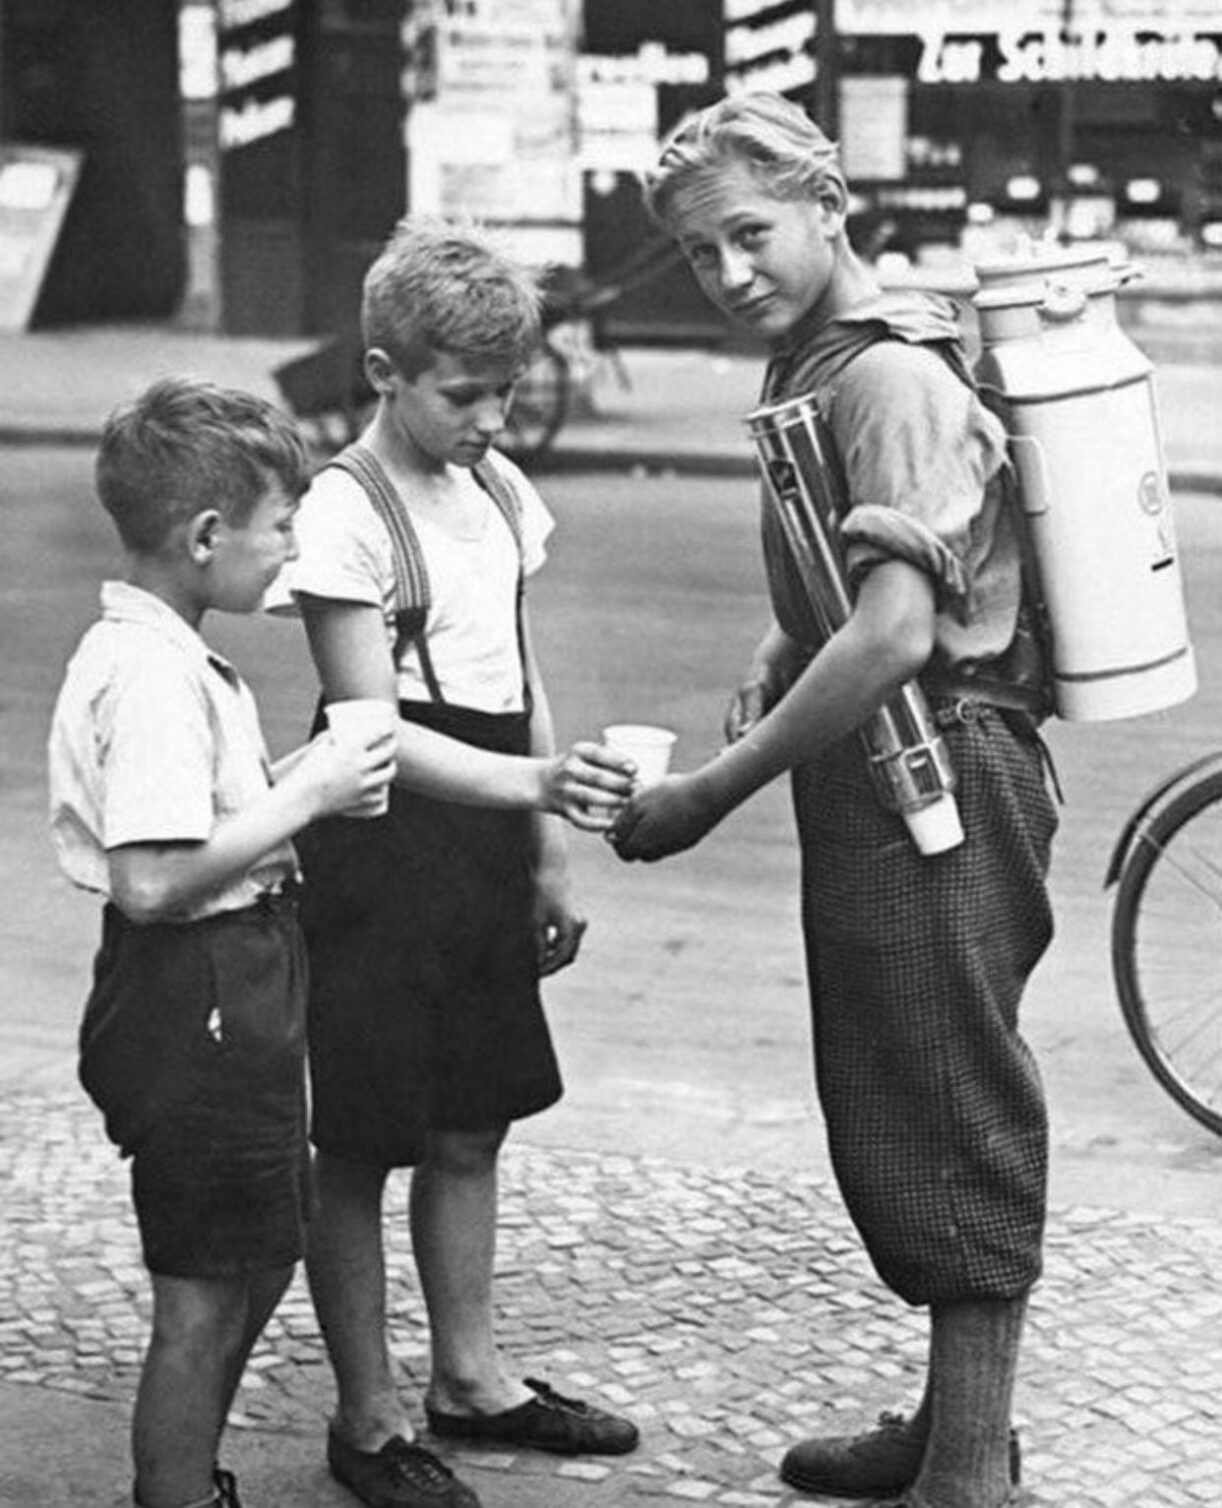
648,747
367,724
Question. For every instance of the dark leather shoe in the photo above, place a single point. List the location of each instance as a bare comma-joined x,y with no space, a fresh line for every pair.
226,1489
400,1475
878,1464
564,1426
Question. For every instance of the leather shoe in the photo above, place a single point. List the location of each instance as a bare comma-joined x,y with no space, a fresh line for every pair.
878,1464
226,1489
400,1475
563,1426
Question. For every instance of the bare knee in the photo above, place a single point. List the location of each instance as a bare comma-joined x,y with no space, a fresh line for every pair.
199,1319
464,1153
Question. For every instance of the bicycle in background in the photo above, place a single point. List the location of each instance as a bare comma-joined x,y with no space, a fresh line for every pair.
328,393
1166,941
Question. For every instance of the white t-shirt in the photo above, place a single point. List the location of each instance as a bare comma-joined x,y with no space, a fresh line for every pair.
346,554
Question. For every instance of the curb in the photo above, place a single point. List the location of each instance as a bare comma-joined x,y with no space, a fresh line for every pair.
1191,476
601,459
50,435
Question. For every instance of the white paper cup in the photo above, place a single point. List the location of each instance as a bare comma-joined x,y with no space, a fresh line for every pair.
362,721
648,747
936,828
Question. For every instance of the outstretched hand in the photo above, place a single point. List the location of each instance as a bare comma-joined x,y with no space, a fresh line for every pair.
588,786
663,819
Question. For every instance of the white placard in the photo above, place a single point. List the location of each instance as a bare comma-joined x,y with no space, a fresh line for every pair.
36,185
874,128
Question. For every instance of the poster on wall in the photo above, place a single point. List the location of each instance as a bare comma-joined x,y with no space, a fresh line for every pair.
874,128
491,130
36,187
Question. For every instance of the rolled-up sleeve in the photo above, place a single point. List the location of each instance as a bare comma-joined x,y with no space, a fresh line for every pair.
919,450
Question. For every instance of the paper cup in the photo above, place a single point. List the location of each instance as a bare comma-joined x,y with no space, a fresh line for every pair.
936,828
648,748
362,721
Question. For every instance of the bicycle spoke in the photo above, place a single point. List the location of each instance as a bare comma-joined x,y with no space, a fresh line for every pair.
1167,947
1178,861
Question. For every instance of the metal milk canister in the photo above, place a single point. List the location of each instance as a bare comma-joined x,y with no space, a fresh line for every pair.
1077,399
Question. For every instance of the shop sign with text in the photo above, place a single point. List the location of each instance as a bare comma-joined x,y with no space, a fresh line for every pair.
979,17
256,72
1014,56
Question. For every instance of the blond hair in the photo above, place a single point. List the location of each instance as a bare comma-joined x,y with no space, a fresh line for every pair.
774,138
438,287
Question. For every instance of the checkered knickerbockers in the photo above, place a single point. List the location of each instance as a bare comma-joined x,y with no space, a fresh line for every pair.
934,1106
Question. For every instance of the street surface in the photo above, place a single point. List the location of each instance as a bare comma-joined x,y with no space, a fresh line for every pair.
683,1026
670,1243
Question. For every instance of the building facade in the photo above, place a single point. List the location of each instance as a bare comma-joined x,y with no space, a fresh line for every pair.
1094,117
241,160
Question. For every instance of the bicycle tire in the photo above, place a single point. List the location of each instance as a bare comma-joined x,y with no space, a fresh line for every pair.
1167,947
540,405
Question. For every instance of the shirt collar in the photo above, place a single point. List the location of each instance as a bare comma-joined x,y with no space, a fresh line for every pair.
124,603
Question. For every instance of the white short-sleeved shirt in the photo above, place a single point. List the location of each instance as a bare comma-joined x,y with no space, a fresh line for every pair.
155,739
345,554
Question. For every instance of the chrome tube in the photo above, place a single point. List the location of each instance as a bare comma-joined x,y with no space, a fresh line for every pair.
908,759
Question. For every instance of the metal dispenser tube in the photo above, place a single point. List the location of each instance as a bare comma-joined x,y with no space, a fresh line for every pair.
908,760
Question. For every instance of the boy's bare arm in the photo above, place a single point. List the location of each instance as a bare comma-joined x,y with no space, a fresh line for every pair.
887,641
152,882
348,642
560,925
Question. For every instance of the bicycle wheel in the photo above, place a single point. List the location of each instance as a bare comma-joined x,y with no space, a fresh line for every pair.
540,405
1167,947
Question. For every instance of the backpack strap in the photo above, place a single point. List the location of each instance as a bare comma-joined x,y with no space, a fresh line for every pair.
1018,678
413,596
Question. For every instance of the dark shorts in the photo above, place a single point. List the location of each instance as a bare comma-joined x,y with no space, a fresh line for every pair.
424,1008
193,1048
935,1112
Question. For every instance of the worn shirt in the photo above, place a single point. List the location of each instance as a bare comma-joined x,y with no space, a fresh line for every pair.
155,739
925,465
345,554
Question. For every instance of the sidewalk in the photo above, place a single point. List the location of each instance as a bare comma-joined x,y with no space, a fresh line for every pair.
727,1312
681,410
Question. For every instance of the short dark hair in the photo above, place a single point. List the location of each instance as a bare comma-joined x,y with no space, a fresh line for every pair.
438,287
185,445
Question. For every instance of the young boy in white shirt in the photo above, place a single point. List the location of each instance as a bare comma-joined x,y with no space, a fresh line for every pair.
163,802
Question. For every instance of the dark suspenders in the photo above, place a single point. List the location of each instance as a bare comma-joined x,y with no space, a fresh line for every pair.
413,595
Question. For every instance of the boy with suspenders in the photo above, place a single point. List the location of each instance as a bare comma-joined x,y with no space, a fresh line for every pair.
429,929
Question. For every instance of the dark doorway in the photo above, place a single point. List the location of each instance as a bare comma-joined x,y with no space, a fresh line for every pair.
103,78
355,160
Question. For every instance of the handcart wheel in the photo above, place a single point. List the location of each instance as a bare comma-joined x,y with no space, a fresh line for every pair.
1167,947
540,405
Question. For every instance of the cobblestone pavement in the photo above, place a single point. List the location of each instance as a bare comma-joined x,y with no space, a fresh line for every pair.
728,1313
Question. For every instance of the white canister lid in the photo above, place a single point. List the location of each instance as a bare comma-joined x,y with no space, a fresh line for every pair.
1043,261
